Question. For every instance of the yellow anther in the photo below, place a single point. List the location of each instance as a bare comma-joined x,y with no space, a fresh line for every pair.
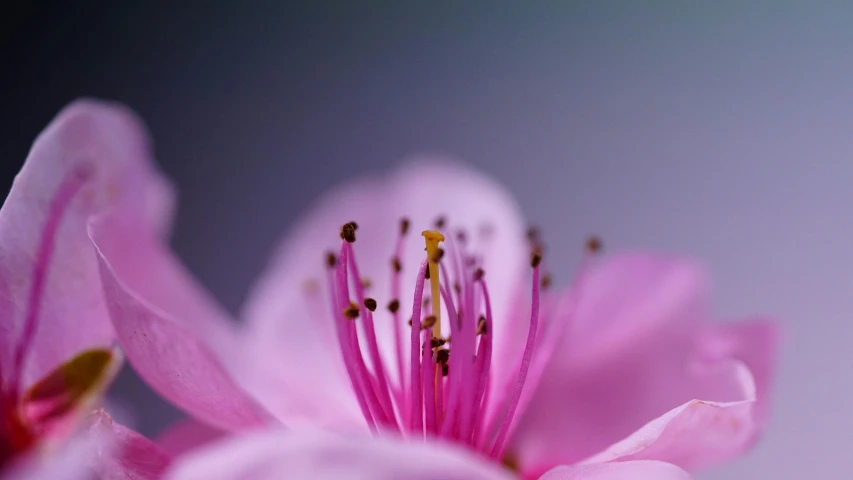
432,238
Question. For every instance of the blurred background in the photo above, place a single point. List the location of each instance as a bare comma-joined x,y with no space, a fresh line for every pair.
721,130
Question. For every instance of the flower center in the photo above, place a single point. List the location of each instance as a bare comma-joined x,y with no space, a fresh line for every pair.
444,385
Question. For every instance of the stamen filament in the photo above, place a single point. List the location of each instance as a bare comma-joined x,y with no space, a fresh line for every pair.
416,412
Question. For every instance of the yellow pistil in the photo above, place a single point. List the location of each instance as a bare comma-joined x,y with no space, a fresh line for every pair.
433,237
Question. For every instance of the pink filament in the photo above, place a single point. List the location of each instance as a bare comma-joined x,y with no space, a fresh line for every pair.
416,412
68,189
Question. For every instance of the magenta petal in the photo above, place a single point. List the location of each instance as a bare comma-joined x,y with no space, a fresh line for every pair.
286,456
123,453
185,435
168,351
636,470
109,142
291,328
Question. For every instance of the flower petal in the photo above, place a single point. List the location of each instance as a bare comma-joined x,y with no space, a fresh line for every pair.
291,327
276,455
185,435
695,435
109,141
637,470
620,362
123,453
159,313
70,462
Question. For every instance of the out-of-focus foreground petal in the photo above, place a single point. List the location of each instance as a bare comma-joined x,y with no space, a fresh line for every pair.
185,435
636,470
108,142
277,455
124,454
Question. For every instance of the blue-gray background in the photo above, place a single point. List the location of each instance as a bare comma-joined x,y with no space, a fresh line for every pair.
716,129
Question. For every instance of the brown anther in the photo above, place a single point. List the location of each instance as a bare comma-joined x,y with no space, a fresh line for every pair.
348,232
410,322
366,283
440,222
457,288
442,356
437,342
546,281
398,266
428,322
535,259
445,369
331,260
439,254
404,226
427,301
394,305
426,273
478,274
482,329
533,234
593,244
370,304
351,312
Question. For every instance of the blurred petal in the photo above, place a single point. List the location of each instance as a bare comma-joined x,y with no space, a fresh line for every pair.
638,470
279,455
167,351
72,461
756,343
185,435
123,453
697,434
292,330
111,142
620,362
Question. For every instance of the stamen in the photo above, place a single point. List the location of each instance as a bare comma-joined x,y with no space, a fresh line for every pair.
59,204
432,238
416,413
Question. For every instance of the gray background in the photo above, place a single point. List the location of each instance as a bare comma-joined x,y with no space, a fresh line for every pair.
716,129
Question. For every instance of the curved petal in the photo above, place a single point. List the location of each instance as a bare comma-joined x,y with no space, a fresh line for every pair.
291,327
108,142
71,461
278,455
173,358
756,343
620,362
123,453
637,470
697,434
185,435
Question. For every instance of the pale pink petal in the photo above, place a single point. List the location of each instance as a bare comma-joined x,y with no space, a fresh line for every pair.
290,326
620,362
637,470
699,433
71,461
108,141
169,354
185,435
286,456
123,453
756,343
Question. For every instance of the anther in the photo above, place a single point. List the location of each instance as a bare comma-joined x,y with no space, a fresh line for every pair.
348,231
398,266
331,260
535,259
478,274
533,234
457,288
366,282
437,342
461,236
404,225
482,329
442,356
445,369
427,274
351,312
439,254
428,322
593,244
370,304
394,305
427,301
546,281
440,222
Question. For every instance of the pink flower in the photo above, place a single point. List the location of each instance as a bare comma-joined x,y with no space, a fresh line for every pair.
619,376
56,342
